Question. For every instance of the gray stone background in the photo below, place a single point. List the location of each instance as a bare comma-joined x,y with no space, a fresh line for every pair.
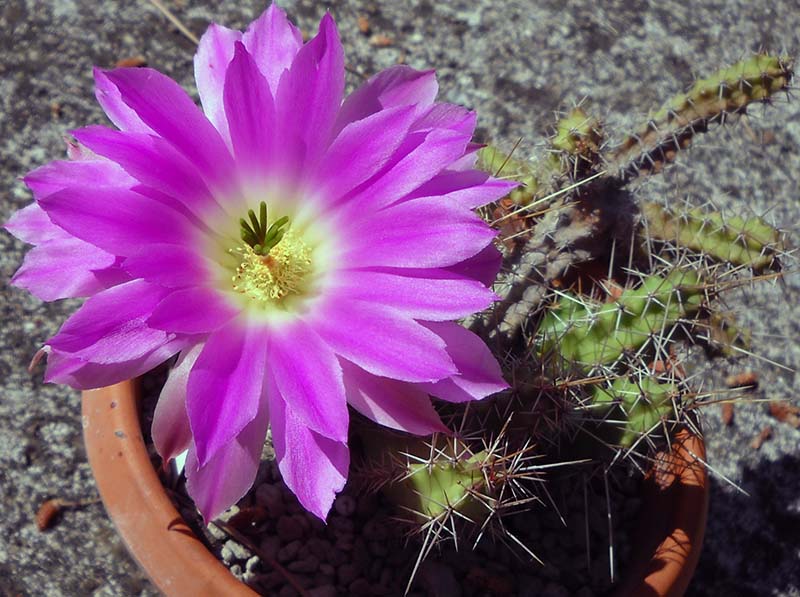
515,62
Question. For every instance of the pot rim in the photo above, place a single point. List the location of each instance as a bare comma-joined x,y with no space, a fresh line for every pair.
179,563
154,532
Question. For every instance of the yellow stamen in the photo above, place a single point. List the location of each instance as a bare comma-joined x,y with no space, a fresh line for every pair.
271,277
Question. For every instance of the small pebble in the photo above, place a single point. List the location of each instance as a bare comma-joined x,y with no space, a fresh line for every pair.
229,513
321,548
341,525
288,552
323,591
252,564
555,590
268,495
271,580
288,529
305,566
345,505
439,579
270,545
239,551
347,573
359,586
214,531
379,548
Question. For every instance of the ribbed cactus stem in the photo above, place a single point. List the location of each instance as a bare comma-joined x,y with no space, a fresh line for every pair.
709,101
749,242
435,489
588,334
632,408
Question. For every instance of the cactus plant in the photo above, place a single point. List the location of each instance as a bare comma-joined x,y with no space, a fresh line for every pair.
596,291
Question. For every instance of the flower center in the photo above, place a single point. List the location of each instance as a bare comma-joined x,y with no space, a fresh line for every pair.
274,262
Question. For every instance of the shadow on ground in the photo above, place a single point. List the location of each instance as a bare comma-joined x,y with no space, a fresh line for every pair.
747,536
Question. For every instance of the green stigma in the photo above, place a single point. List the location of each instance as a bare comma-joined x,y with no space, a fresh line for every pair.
257,235
274,262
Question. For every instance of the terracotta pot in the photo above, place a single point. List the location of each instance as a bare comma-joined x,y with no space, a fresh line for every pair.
671,533
155,534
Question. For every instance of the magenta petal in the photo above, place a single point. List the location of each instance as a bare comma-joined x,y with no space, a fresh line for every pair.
419,233
482,267
193,310
250,111
469,189
388,342
398,85
447,116
171,432
225,386
62,174
391,403
309,96
172,266
478,376
425,156
227,476
118,221
154,163
362,148
110,98
312,466
63,268
469,160
65,368
429,294
32,225
110,326
168,110
309,377
274,42
214,53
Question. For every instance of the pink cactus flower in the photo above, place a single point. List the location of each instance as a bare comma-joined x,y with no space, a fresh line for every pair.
298,250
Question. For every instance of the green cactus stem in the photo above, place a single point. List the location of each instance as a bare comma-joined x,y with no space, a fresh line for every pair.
577,143
749,242
632,408
709,101
432,490
533,178
588,334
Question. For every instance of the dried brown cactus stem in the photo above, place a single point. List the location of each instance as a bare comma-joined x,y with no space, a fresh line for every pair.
573,231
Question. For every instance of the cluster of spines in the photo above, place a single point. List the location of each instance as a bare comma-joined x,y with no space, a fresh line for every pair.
456,488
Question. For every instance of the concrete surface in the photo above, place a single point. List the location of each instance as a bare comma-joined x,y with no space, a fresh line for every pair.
515,62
